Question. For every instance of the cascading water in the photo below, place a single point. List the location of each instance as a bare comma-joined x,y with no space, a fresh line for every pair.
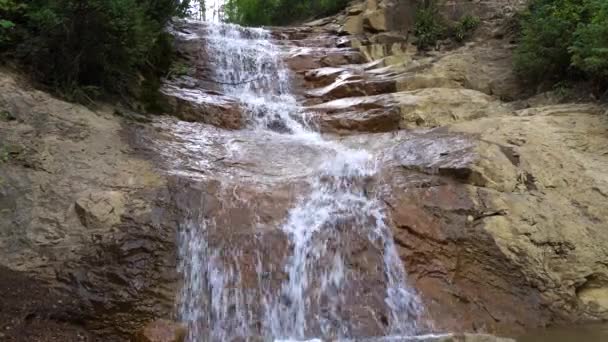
310,302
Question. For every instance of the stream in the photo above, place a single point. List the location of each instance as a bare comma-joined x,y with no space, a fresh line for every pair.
310,301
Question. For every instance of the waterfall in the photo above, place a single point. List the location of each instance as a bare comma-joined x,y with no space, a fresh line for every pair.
310,303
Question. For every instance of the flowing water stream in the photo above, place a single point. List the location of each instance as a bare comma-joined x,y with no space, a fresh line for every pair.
309,303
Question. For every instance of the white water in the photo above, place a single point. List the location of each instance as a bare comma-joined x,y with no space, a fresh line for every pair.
250,68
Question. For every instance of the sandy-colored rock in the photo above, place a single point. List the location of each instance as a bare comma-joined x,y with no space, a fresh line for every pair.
555,233
102,208
376,20
389,15
433,107
484,67
161,331
529,225
76,214
429,107
353,24
484,64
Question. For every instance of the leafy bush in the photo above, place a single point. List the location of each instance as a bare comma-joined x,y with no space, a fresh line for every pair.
563,39
465,27
279,12
86,47
590,46
9,11
429,26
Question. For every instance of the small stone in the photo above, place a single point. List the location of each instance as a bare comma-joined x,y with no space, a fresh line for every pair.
102,208
470,218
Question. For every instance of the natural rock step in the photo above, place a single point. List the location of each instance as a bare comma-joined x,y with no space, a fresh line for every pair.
204,106
304,58
430,107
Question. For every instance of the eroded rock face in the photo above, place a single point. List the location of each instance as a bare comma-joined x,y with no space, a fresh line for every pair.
431,107
201,106
482,217
494,206
83,216
498,212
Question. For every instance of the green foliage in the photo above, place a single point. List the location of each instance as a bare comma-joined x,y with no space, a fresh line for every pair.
3,155
83,48
279,12
178,69
9,11
590,46
564,39
465,27
429,27
547,32
5,115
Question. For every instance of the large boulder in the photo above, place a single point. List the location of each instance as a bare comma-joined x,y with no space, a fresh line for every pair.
389,15
501,223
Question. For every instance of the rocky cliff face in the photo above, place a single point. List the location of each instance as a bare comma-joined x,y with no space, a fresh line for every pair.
499,208
497,201
87,228
496,197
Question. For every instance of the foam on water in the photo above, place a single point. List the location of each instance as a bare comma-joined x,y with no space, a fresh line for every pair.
250,68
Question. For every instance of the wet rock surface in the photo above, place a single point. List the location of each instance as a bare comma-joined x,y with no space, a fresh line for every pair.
460,194
498,212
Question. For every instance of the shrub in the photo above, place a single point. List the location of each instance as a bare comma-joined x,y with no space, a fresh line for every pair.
429,26
10,10
564,39
465,27
547,32
590,42
279,12
87,47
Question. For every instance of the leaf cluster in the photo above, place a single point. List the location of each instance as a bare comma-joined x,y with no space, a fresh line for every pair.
279,12
564,39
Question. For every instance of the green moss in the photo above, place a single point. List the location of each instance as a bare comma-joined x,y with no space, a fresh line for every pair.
5,115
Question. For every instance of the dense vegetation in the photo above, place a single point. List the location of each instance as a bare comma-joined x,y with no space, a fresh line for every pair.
279,12
430,27
564,39
85,47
